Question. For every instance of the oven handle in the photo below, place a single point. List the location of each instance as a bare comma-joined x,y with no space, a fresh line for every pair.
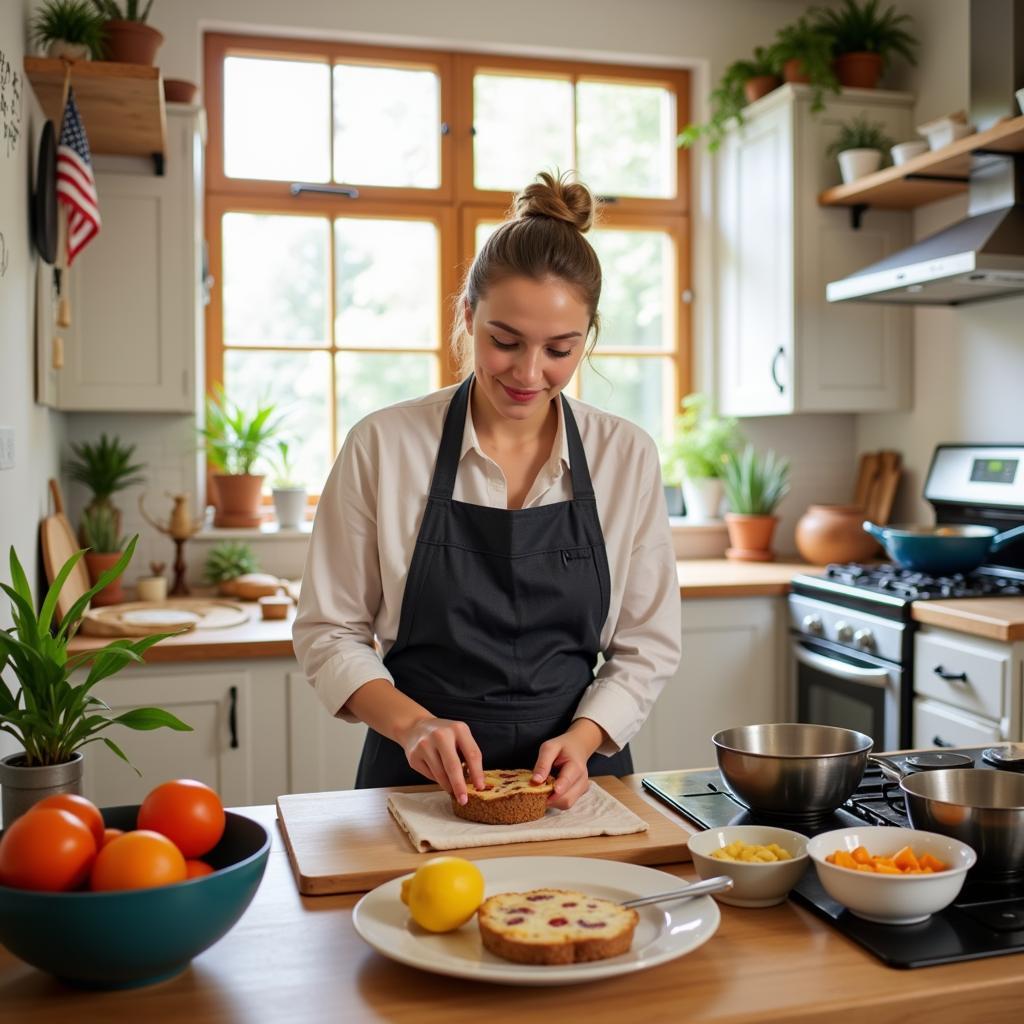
865,676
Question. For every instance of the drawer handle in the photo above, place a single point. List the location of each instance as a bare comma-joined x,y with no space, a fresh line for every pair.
940,742
950,677
233,716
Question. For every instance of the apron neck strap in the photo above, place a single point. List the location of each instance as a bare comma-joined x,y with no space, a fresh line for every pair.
442,485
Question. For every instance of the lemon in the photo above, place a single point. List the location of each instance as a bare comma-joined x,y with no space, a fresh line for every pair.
444,893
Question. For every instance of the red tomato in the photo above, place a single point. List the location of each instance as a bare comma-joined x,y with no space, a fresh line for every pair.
46,849
80,808
189,813
137,860
110,833
197,868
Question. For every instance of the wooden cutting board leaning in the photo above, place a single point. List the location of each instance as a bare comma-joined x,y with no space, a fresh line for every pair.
59,544
348,842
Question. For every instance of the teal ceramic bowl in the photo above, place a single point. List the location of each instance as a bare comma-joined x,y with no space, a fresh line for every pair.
139,936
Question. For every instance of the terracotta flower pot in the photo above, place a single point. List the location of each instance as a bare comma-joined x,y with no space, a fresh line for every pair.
793,71
179,90
98,563
750,537
131,42
758,86
833,533
238,499
860,70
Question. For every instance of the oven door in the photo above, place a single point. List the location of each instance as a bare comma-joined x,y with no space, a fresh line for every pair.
835,686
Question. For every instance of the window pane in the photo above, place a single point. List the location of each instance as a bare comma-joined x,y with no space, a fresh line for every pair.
276,119
387,126
388,285
637,389
299,383
523,125
368,381
275,279
637,287
626,139
484,230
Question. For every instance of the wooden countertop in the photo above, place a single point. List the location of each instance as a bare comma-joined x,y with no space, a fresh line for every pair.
997,618
720,577
298,959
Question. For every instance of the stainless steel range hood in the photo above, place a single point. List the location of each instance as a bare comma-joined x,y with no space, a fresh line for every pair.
982,257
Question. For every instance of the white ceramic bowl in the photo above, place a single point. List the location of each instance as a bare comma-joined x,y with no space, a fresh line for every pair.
754,885
891,899
904,151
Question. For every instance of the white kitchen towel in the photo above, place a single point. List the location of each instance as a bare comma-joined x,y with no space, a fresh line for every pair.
430,823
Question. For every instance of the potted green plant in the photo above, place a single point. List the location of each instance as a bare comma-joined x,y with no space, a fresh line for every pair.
754,486
804,51
743,81
69,28
695,456
98,530
864,40
227,561
288,490
51,714
106,468
127,38
235,439
861,146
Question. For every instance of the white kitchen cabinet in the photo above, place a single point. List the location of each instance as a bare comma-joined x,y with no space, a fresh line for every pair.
136,336
781,348
730,674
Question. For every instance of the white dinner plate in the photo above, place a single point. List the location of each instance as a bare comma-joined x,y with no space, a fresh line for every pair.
665,931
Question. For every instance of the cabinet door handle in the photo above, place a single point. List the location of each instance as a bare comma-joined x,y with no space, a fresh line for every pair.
233,716
950,677
940,742
780,351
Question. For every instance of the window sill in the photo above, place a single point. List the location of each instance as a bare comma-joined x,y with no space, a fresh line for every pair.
266,532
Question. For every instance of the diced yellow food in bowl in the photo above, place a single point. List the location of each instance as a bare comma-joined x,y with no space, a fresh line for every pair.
752,853
903,862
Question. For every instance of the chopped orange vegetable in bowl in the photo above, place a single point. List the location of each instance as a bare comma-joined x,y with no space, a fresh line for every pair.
891,875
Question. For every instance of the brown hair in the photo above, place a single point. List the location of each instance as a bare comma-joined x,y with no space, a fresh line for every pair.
543,237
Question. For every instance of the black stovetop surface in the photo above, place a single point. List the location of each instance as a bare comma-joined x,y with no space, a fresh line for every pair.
986,919
892,581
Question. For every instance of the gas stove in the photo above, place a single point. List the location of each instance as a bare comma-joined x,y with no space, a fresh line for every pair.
908,585
986,919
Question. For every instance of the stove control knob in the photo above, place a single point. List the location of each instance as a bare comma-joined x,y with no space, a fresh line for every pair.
844,632
864,639
812,624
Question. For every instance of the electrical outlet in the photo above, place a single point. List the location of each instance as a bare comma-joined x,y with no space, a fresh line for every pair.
6,447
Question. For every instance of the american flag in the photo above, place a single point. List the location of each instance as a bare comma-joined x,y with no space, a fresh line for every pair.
75,186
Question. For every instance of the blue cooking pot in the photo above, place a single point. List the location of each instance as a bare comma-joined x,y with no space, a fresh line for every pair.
941,550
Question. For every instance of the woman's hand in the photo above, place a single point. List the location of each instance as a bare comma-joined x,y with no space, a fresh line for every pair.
436,748
569,753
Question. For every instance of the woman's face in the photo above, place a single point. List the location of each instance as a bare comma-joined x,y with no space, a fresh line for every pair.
528,338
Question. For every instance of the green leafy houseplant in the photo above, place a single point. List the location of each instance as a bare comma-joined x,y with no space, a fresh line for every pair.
133,10
805,51
69,21
860,133
700,444
99,530
285,476
755,485
234,437
728,98
229,560
105,467
50,716
862,29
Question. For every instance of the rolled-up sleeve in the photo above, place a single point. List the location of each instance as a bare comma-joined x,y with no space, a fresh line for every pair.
333,632
645,645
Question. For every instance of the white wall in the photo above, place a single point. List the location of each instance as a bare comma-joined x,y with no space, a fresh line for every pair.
969,361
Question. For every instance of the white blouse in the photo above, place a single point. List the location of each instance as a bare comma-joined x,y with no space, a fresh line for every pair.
369,517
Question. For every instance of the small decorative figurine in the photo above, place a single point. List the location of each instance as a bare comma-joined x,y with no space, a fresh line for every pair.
179,527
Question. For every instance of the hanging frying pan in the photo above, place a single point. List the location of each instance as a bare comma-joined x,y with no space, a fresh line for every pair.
44,198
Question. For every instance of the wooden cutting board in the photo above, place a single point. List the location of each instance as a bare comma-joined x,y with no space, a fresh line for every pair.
59,544
348,842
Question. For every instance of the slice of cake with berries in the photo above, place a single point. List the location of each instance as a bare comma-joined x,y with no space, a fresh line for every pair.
509,797
555,926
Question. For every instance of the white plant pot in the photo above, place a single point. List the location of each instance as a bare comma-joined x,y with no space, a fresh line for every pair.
703,498
289,506
73,51
855,163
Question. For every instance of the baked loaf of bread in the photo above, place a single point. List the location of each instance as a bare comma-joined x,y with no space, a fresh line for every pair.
508,798
555,926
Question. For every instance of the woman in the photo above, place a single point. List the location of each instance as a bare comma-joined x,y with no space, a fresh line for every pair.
496,538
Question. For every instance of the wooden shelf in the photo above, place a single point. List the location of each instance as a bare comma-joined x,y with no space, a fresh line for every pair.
937,174
122,105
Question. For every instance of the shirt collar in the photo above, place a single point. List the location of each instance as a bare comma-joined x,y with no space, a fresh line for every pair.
559,450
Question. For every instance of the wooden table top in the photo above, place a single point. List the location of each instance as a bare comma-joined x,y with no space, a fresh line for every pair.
997,618
298,959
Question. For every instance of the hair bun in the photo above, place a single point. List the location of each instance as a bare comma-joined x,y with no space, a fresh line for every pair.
559,198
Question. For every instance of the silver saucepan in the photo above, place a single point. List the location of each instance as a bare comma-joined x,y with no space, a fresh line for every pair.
799,771
981,807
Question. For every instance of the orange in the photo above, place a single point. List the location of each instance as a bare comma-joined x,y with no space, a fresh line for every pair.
46,849
137,860
189,813
80,808
110,833
197,868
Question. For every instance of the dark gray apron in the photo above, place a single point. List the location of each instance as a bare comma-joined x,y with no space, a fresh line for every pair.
501,617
